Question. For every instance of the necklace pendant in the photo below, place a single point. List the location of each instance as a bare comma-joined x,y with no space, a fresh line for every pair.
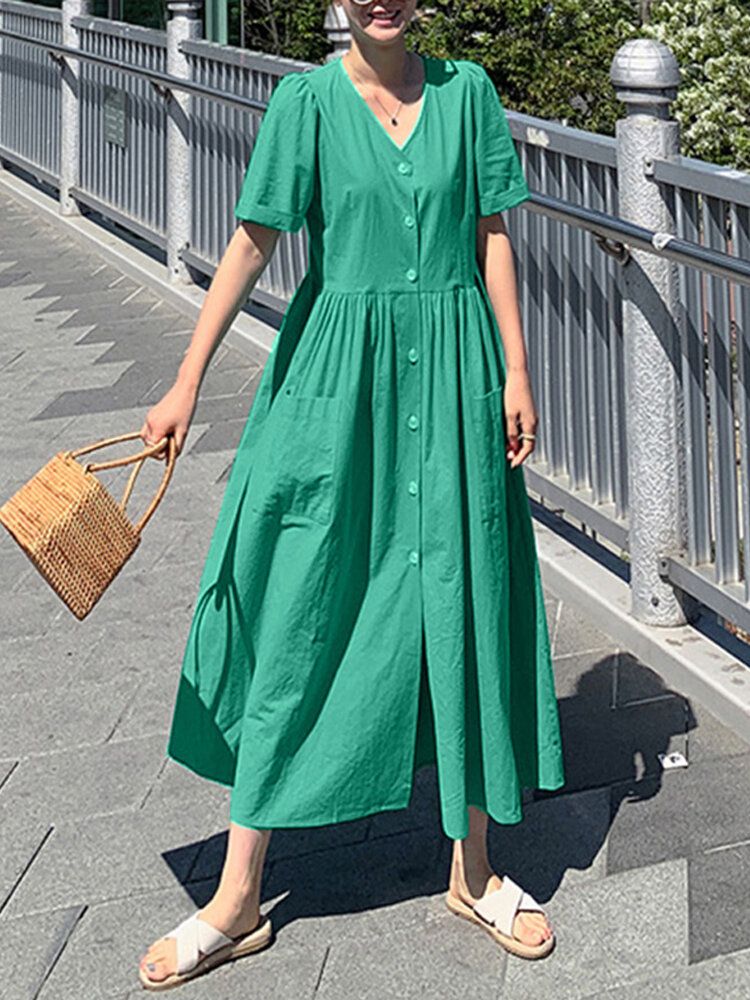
394,121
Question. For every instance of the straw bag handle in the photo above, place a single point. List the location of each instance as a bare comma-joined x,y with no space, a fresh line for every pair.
139,459
113,463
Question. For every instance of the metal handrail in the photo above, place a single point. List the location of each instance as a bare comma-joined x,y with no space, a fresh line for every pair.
602,226
162,82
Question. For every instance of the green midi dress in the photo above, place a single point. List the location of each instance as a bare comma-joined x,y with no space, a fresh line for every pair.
371,599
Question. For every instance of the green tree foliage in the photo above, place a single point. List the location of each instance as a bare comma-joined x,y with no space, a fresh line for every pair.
292,28
711,42
148,13
549,59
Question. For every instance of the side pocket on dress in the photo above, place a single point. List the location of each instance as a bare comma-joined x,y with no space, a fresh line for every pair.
488,414
295,479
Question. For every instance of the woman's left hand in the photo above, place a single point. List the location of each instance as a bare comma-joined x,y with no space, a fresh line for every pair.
520,415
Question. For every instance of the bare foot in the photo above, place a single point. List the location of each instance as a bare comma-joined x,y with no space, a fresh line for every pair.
234,917
479,879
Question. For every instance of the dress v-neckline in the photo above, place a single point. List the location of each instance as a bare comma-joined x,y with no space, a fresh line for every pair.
374,118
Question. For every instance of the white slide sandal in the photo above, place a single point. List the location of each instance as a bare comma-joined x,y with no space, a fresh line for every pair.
496,911
201,947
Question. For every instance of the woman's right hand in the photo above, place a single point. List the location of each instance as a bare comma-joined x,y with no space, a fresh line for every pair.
171,415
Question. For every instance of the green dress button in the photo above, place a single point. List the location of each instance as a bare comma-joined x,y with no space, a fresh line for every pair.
413,487
413,355
413,557
411,274
404,168
409,220
413,421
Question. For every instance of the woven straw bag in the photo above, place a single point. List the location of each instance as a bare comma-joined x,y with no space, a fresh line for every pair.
72,528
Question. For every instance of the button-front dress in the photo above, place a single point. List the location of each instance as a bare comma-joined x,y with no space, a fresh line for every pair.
371,599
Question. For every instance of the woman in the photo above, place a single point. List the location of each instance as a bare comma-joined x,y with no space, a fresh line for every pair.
371,599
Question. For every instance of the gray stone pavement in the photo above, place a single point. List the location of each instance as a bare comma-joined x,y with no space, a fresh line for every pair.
105,844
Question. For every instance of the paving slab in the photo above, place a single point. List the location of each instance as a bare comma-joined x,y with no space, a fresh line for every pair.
719,895
69,283
176,783
34,722
218,436
611,931
574,633
31,614
421,961
726,977
61,357
78,781
679,814
358,877
624,738
21,842
31,948
116,856
150,711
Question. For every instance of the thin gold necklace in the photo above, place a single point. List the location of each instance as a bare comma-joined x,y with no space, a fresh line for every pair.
394,119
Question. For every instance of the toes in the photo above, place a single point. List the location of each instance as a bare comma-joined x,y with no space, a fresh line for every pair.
157,955
531,935
540,922
156,974
148,957
533,928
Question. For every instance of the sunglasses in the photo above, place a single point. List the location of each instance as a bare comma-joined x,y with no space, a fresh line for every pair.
362,3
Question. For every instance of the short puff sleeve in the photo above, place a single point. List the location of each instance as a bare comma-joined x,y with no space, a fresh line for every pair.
280,176
500,180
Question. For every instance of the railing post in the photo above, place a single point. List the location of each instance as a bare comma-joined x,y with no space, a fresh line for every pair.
3,71
645,75
70,107
184,22
336,26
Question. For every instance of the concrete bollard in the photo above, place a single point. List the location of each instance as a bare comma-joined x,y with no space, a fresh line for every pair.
70,128
184,22
645,75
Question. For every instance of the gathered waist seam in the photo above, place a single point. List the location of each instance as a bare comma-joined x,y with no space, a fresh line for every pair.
332,289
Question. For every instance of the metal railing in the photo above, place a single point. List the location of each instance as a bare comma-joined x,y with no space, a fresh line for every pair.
572,305
30,88
610,299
